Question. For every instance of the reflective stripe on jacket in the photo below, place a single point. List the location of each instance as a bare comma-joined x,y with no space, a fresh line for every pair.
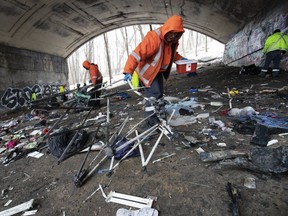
95,74
274,43
153,54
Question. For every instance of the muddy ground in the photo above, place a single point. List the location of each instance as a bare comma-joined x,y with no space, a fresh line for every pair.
182,184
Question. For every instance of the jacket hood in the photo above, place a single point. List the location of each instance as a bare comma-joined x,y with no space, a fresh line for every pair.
174,23
86,64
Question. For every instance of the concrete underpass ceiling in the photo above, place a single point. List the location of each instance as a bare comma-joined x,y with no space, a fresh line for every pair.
59,27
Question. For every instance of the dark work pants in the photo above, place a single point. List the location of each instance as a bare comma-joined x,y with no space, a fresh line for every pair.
95,94
275,57
156,90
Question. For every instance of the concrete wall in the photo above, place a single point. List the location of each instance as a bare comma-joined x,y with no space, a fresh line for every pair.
252,38
22,69
23,72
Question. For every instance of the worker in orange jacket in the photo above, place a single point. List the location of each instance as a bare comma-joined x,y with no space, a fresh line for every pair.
96,79
152,60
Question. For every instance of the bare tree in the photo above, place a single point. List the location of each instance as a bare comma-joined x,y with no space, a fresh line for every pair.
118,45
206,47
183,45
89,53
141,32
73,65
125,39
196,45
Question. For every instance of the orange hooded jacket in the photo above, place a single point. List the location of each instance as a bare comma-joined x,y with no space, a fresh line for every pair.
154,54
95,74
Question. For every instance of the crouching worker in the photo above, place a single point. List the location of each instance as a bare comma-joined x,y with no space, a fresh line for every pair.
276,45
152,60
97,80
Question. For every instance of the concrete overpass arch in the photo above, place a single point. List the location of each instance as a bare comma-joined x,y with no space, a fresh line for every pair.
37,36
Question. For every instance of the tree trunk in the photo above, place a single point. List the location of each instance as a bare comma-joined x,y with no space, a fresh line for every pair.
141,32
89,52
206,48
107,55
183,45
126,41
196,47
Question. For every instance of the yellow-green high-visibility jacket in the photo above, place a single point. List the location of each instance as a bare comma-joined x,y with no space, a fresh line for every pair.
274,43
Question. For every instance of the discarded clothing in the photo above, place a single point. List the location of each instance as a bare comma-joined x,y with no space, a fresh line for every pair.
120,149
266,160
11,144
122,96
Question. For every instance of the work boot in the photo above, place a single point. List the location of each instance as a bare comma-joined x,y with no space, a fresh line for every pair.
275,72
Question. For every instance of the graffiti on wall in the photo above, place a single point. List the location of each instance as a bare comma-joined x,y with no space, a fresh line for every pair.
15,97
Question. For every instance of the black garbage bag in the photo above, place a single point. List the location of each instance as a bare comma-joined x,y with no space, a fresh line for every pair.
57,144
267,126
261,135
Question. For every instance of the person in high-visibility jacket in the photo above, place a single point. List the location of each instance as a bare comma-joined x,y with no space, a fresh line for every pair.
276,45
61,91
96,79
152,60
33,96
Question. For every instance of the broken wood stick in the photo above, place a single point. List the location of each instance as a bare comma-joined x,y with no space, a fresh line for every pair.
220,155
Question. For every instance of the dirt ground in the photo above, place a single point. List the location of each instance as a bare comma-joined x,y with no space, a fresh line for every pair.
182,184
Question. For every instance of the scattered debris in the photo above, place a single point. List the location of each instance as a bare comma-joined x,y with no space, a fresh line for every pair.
160,159
272,142
17,209
264,160
31,212
249,182
146,211
129,200
213,133
235,196
7,203
98,189
220,155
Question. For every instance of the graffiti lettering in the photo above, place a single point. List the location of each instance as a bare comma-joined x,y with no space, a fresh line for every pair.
9,99
14,97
